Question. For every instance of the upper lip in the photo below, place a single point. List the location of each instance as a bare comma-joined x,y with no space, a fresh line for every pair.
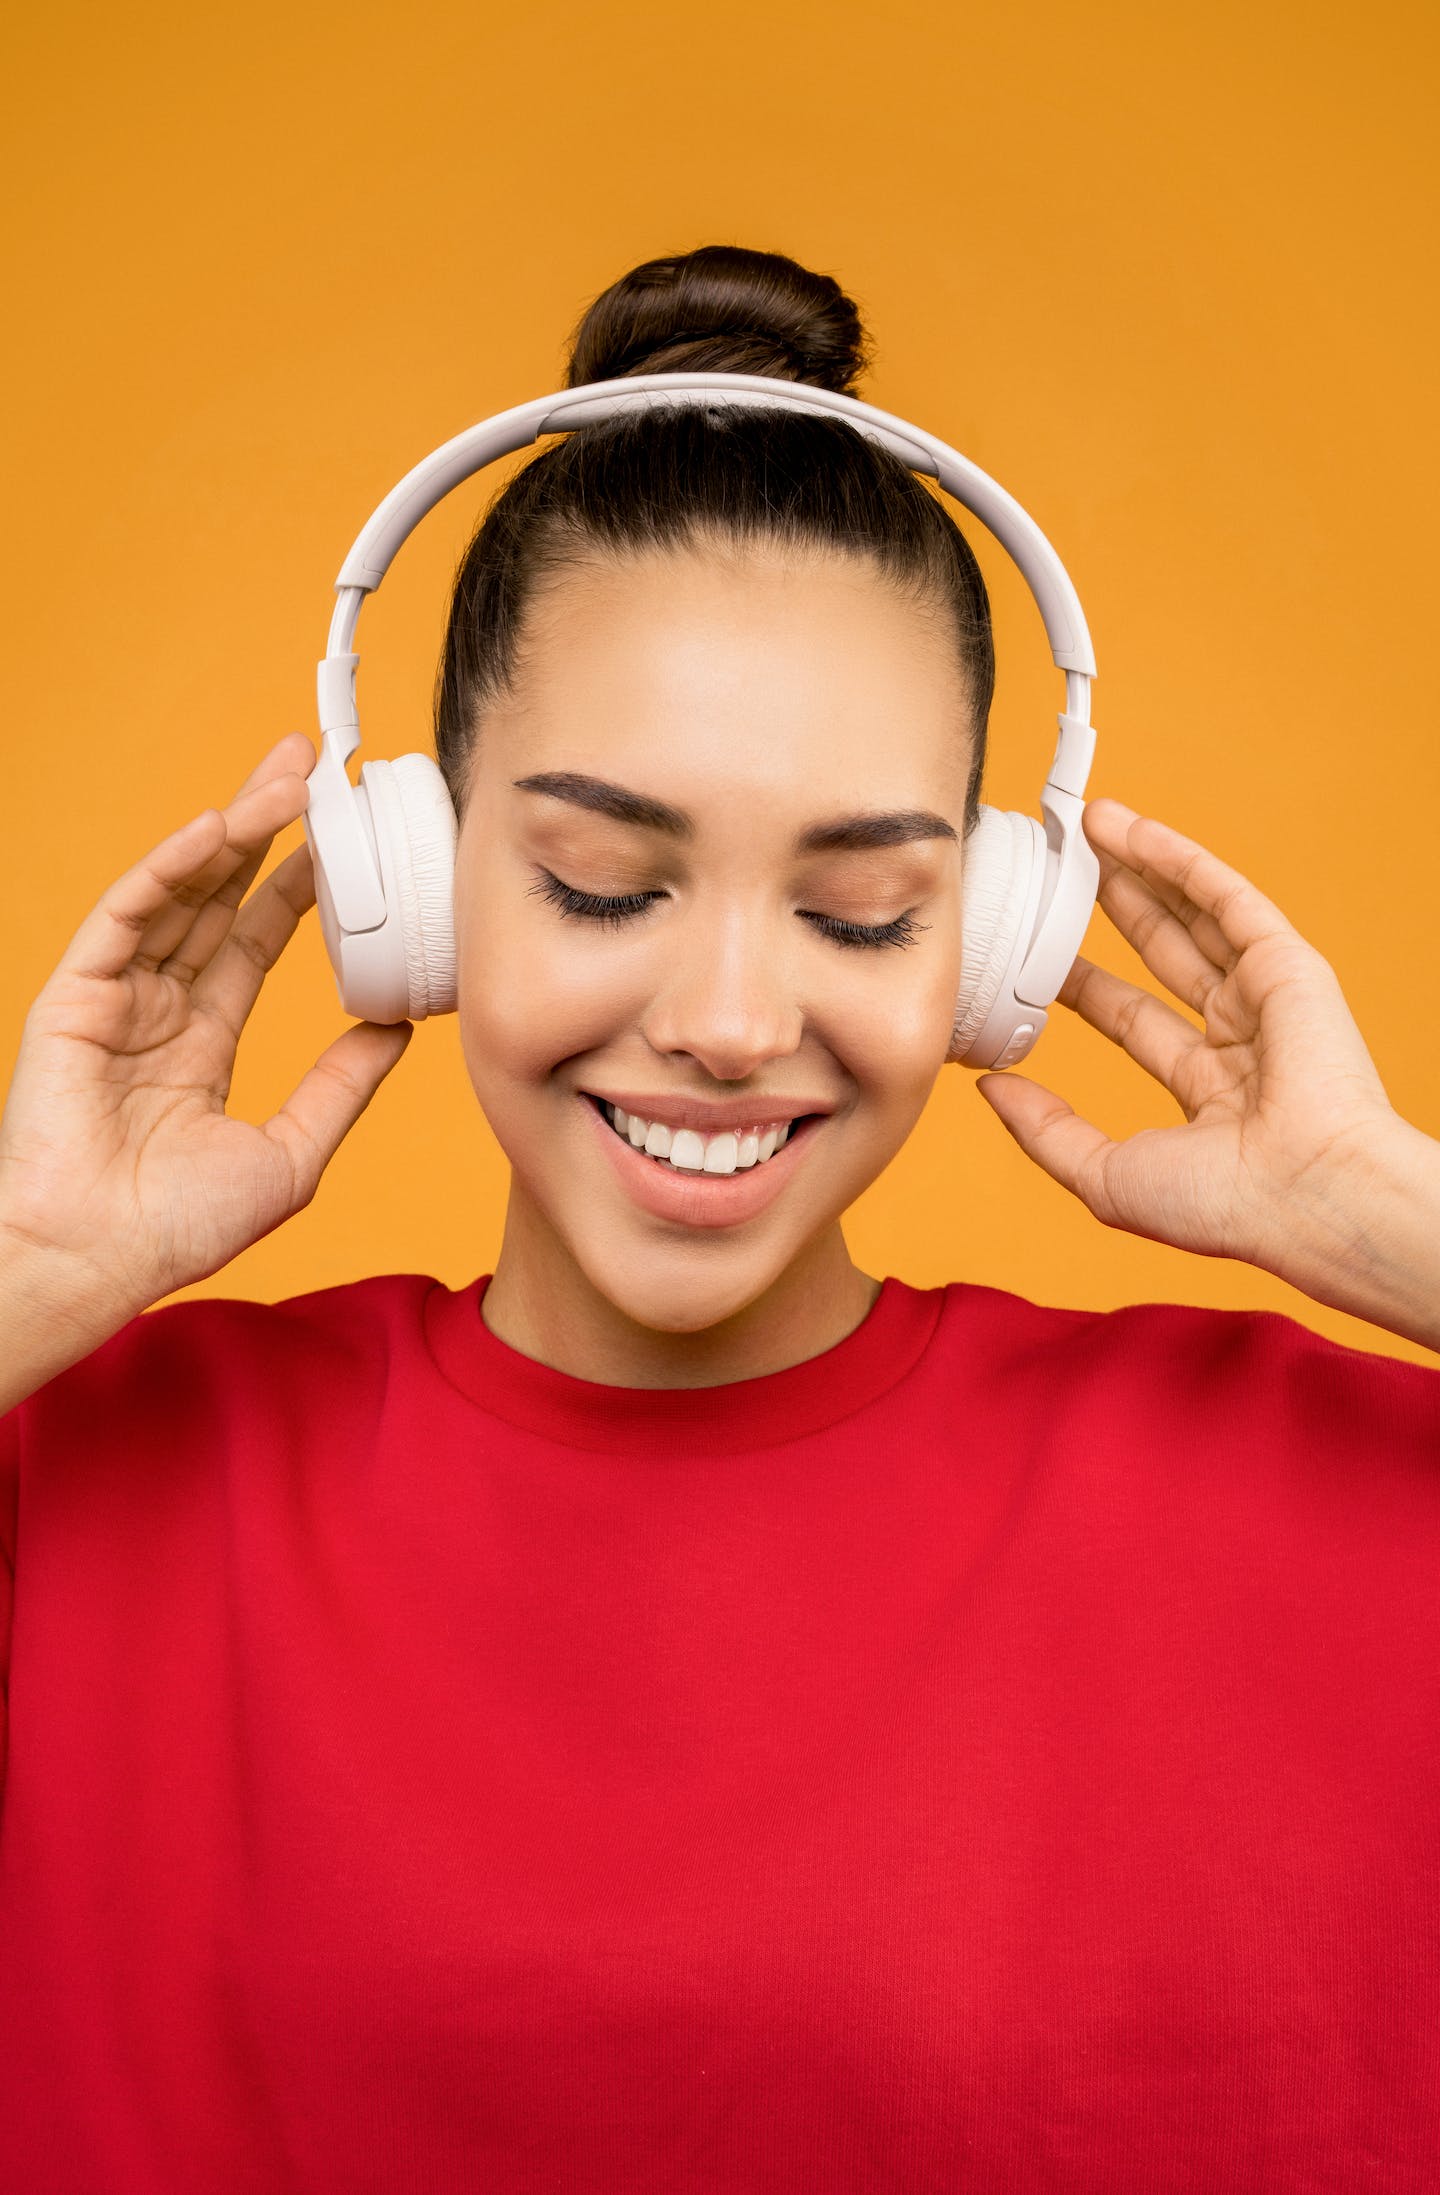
712,1116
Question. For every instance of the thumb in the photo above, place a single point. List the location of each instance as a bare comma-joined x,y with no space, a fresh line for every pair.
1049,1131
1023,1107
328,1100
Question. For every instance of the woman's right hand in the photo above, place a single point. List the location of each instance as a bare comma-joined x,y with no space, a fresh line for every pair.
120,1169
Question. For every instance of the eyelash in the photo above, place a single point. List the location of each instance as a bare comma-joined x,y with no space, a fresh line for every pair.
613,909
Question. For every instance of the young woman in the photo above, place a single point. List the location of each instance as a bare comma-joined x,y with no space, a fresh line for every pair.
680,1712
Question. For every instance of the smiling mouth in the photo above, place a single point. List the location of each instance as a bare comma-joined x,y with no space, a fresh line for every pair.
686,1151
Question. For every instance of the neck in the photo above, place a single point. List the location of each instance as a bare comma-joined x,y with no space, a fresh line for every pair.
541,1303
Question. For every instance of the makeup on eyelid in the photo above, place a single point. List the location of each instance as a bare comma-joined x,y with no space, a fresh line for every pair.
615,910
866,881
846,894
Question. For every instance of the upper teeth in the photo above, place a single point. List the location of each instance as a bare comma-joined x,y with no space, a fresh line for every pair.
690,1152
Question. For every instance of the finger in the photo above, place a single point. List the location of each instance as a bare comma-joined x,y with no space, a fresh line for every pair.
1109,830
1205,930
105,942
313,1122
1167,947
183,869
1243,914
292,752
1072,1150
199,918
288,758
1154,1035
229,986
211,923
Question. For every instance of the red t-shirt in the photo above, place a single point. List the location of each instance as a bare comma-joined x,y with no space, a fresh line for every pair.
1000,1754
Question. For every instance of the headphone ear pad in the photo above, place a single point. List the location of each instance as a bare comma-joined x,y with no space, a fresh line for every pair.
995,878
414,817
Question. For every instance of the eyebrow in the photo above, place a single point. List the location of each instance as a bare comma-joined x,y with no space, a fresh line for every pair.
844,834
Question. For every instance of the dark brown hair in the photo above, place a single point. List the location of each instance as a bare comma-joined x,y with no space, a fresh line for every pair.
683,476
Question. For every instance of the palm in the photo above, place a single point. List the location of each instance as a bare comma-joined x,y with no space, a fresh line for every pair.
1275,1083
116,1151
123,1085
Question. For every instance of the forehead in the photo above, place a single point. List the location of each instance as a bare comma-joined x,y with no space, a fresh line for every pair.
695,673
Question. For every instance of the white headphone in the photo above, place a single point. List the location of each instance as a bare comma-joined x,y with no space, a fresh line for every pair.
384,850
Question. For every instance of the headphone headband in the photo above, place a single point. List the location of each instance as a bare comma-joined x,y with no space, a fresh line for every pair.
1063,872
466,454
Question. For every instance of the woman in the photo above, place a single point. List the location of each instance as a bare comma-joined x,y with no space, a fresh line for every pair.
683,1713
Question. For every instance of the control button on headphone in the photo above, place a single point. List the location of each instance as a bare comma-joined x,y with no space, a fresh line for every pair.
1018,1044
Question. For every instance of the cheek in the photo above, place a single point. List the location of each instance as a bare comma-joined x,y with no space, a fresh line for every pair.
898,1025
531,991
529,1012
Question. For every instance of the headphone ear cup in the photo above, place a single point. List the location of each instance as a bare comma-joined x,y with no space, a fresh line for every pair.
996,867
416,831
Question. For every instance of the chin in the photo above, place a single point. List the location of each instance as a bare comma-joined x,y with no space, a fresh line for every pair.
685,1291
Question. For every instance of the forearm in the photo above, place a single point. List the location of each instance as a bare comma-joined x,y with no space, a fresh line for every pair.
51,1316
1366,1239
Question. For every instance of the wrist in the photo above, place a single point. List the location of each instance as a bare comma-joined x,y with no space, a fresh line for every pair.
1362,1232
54,1309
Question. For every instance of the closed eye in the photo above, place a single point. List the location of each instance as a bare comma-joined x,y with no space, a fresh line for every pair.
616,908
610,907
902,931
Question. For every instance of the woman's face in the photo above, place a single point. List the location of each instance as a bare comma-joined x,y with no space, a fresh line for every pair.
709,874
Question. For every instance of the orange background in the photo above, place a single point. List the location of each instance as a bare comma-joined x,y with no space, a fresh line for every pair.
1160,272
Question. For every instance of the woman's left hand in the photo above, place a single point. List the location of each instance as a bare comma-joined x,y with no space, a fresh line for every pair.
1286,1119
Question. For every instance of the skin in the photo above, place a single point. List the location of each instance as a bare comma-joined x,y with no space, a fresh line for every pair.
761,699
761,696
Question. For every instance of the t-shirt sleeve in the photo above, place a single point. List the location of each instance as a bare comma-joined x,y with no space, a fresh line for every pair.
135,1445
1329,1436
112,1388
1336,1398
21,1435
9,1510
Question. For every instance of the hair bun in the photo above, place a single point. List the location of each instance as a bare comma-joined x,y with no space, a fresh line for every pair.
722,309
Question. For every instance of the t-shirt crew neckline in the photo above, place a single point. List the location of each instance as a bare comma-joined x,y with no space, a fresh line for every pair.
742,1414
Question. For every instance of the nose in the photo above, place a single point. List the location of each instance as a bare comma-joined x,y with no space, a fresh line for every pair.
725,998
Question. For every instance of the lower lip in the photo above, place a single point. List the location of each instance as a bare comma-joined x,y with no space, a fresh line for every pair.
694,1199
